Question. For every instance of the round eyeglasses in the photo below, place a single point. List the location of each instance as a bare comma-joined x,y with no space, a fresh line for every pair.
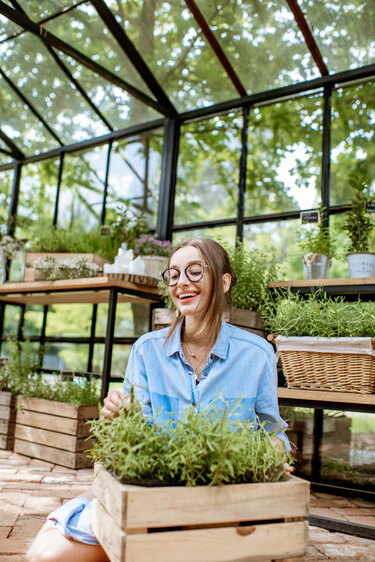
193,272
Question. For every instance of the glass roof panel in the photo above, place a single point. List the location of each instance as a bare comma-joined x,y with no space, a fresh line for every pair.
21,125
37,10
262,41
7,27
84,30
118,107
31,67
176,51
344,31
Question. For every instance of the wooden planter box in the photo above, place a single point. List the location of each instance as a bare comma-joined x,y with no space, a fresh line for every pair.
242,522
54,431
249,320
32,274
7,419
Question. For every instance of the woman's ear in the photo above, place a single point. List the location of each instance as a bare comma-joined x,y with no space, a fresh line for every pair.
227,280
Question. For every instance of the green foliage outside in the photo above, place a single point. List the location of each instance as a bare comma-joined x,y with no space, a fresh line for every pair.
22,376
319,315
200,449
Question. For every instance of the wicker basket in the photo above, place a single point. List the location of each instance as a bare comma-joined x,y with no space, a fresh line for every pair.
339,364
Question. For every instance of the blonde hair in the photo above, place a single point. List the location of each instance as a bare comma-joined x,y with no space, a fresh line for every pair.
216,257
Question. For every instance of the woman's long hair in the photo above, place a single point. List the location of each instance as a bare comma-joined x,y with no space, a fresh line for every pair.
216,257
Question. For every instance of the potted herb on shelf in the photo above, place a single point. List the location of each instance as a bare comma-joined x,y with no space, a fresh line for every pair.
317,244
154,253
206,483
360,226
324,343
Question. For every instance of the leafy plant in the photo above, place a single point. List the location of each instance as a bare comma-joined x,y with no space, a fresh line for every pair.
207,448
254,270
22,361
316,240
319,315
66,268
359,224
150,245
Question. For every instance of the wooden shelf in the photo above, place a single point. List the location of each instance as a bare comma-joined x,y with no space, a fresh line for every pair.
351,288
94,290
350,401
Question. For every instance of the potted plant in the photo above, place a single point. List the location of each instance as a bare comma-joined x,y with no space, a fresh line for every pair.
154,253
254,270
10,248
206,483
360,226
51,413
324,343
317,244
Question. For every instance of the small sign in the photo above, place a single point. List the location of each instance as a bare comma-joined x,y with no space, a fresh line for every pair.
370,206
310,216
105,231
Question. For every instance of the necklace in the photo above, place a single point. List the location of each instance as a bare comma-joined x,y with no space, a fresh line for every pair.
197,368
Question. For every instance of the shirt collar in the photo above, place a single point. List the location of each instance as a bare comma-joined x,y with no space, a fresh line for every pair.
220,348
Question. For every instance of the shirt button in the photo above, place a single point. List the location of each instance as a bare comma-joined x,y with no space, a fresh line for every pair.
194,403
191,372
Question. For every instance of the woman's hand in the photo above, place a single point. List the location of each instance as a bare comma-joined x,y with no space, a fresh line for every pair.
280,445
113,402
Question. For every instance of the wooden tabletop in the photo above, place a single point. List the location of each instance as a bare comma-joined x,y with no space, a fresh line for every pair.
94,290
351,401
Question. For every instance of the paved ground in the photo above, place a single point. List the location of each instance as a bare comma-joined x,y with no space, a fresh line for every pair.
30,489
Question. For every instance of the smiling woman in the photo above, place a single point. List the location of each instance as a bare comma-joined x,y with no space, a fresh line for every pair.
200,362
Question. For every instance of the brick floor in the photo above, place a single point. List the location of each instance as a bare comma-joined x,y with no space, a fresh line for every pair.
29,489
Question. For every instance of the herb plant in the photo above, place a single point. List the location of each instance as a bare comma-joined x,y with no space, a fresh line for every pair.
200,449
319,315
150,245
316,240
65,268
359,224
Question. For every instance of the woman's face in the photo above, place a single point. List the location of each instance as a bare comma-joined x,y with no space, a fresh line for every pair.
191,298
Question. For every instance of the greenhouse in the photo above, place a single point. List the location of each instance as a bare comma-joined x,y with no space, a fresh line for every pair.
248,122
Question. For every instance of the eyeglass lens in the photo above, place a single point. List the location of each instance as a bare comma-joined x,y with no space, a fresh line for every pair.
194,272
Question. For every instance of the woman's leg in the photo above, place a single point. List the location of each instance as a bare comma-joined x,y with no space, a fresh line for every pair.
51,546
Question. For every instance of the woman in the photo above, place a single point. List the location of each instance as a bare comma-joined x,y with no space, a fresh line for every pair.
198,360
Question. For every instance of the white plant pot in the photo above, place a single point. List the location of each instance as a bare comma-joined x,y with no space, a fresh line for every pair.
316,266
361,264
155,265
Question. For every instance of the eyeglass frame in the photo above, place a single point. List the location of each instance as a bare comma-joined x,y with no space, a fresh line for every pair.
185,272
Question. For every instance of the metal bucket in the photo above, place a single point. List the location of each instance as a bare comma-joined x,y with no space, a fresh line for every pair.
316,266
361,264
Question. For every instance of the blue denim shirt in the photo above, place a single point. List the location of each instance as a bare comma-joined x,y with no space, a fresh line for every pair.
241,366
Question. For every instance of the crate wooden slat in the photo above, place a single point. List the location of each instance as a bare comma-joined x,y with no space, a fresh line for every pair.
54,431
204,523
7,420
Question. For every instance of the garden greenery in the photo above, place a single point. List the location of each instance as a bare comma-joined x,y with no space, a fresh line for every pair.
22,376
359,224
206,448
65,268
319,315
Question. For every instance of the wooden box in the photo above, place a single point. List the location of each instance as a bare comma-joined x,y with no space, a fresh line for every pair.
7,420
32,274
249,320
54,431
241,522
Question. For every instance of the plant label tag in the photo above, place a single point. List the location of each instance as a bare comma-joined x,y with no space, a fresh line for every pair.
370,206
310,216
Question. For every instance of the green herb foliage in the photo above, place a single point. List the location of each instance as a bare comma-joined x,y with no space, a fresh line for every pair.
200,449
22,376
316,240
359,224
320,316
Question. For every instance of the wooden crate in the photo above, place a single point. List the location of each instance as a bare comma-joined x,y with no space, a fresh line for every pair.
32,274
54,431
7,420
247,522
249,320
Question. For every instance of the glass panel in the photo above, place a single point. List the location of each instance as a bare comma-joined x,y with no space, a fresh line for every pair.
343,30
120,357
33,320
117,106
339,267
38,10
37,195
208,170
257,36
6,181
284,156
82,188
220,234
30,66
352,138
72,356
134,174
132,320
7,27
69,320
18,122
176,51
84,30
11,319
